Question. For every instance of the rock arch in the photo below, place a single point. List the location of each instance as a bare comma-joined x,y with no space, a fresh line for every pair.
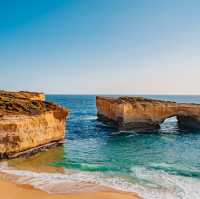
141,113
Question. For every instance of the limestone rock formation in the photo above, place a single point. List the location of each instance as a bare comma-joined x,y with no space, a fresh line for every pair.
142,114
24,94
27,124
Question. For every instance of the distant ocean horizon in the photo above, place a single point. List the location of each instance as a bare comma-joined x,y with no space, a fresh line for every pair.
163,164
107,94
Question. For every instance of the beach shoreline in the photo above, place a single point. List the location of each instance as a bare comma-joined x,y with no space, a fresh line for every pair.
10,190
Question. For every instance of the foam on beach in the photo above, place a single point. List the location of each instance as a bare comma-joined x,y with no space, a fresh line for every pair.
148,184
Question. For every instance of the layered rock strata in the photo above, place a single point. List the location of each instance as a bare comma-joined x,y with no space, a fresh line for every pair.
142,114
24,94
28,124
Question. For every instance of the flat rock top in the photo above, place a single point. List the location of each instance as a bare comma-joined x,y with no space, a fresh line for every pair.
18,103
146,101
132,99
20,94
140,99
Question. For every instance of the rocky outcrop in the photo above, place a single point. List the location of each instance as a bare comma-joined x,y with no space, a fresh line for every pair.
23,94
142,114
27,124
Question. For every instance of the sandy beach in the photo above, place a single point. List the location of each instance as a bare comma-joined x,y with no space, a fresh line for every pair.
9,190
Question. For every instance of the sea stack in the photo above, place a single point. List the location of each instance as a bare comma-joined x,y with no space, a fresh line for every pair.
28,123
140,114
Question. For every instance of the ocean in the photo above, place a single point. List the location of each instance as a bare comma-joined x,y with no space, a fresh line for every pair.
163,164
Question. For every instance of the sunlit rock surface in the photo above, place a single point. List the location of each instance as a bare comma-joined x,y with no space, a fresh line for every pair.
142,114
28,124
24,94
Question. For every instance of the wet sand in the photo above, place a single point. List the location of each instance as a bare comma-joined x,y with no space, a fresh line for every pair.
9,190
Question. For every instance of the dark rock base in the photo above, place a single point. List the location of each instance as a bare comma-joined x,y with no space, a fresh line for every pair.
185,122
31,151
135,126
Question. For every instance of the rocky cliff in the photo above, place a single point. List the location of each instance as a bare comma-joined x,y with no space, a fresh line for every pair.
23,94
28,124
140,113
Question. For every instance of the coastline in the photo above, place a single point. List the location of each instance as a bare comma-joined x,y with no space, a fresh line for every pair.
27,191
100,162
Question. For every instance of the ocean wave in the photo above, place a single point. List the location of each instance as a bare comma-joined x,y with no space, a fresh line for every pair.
177,169
166,186
149,184
87,167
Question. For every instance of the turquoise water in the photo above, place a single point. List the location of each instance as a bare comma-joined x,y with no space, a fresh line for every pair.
93,146
160,164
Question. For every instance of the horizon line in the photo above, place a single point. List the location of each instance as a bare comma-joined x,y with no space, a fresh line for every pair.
120,94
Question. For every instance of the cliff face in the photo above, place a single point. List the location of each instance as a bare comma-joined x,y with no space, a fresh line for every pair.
140,113
27,124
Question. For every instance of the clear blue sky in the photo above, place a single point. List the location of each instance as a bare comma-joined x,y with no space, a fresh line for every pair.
100,46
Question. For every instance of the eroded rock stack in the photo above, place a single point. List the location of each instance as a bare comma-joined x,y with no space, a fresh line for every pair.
28,123
145,114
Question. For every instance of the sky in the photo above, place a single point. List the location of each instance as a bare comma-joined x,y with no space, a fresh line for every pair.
100,46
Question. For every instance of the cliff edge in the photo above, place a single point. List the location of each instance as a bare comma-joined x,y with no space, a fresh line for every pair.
28,123
23,94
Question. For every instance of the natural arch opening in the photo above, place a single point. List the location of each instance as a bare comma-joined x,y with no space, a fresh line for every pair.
180,122
169,124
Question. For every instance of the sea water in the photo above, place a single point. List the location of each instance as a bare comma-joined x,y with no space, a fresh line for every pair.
161,164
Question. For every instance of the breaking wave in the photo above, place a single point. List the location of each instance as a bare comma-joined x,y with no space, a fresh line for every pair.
147,183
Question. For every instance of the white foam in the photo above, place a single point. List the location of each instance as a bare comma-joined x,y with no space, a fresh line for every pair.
89,117
148,184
